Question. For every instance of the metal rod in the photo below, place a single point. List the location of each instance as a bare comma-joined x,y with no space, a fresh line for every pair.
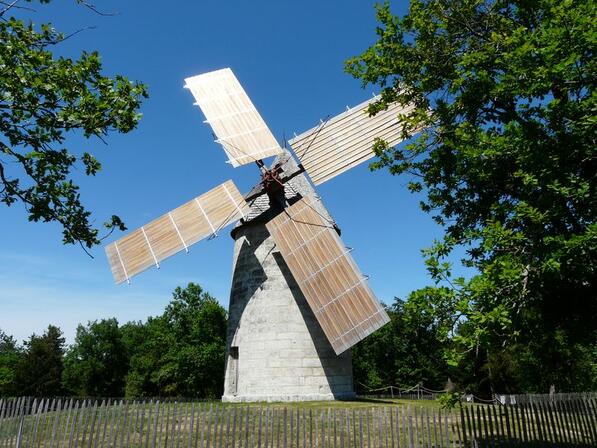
206,217
122,264
233,201
150,248
178,232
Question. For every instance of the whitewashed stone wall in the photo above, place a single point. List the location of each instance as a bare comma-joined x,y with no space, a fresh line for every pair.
283,355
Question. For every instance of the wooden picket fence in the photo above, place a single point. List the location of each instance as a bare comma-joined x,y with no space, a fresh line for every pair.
557,423
544,398
92,423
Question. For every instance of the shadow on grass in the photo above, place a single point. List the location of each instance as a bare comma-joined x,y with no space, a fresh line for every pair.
512,442
371,400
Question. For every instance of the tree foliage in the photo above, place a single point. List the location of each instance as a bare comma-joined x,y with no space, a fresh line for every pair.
38,372
9,356
97,363
44,98
406,352
181,352
506,163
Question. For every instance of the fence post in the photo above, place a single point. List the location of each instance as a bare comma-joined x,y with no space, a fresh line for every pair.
410,430
260,410
266,432
2,407
20,431
585,420
284,427
592,424
466,427
508,432
571,424
322,427
155,423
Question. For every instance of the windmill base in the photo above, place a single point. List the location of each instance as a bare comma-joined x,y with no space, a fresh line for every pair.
284,398
277,350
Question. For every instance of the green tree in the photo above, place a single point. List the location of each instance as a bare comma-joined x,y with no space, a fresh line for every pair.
147,343
407,351
39,369
97,363
43,99
181,352
506,162
9,357
196,362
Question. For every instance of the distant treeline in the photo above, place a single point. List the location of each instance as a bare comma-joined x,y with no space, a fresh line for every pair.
182,353
414,348
179,353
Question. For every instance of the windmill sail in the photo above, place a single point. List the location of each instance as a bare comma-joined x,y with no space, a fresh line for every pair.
346,140
234,119
336,291
175,231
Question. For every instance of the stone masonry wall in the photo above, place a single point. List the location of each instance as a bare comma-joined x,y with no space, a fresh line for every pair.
283,355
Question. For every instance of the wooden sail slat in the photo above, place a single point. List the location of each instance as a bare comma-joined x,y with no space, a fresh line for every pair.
334,125
175,231
356,145
234,119
341,159
349,157
355,136
340,121
336,291
359,124
163,237
346,140
353,146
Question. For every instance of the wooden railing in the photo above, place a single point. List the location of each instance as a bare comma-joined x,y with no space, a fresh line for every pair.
91,423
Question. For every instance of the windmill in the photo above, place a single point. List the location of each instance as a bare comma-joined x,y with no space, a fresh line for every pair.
298,301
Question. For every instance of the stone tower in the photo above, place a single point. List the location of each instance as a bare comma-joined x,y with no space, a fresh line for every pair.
276,349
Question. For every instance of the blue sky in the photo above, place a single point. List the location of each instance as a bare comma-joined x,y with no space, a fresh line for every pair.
289,56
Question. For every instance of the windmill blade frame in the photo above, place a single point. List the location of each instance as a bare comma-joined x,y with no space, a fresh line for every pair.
327,275
229,111
175,231
346,140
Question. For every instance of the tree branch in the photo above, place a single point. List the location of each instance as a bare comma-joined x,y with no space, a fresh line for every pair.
92,7
68,36
9,6
26,200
